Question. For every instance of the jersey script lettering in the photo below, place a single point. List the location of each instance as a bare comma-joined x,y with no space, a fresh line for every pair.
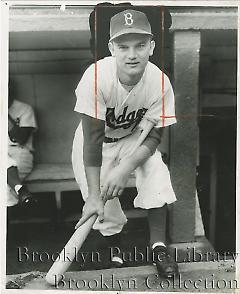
124,120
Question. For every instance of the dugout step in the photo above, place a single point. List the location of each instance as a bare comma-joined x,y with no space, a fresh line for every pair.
143,279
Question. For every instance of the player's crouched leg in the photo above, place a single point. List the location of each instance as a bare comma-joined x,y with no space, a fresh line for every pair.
154,193
114,242
167,267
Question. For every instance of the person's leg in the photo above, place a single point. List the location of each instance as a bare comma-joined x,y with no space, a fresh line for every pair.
20,165
12,180
13,177
15,183
166,265
114,218
154,193
157,224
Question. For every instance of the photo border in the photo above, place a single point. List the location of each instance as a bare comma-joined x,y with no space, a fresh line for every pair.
4,29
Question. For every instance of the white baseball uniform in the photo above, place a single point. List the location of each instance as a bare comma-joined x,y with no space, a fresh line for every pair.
124,114
20,155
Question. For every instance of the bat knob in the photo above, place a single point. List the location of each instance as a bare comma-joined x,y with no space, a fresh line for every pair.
51,279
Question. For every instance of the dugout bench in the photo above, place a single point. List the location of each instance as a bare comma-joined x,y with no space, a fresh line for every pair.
56,178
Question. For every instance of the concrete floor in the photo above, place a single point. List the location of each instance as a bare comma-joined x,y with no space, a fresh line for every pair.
30,248
194,277
41,240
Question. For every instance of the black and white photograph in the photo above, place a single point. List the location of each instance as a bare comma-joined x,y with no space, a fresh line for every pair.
106,108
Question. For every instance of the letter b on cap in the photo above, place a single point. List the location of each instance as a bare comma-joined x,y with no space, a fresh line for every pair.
128,19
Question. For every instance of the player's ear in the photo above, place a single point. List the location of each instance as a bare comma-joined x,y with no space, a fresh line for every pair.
152,46
111,48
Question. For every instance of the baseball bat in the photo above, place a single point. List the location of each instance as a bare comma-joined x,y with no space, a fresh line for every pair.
61,264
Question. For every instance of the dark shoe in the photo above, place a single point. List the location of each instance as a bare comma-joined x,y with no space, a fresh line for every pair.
112,242
116,262
166,265
26,198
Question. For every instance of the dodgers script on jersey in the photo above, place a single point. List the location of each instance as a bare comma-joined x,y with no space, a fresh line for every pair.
120,109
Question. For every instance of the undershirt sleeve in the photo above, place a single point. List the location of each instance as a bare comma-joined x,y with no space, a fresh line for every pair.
93,136
153,139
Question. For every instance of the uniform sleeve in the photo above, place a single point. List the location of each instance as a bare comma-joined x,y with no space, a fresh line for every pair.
162,110
93,134
27,118
90,101
153,139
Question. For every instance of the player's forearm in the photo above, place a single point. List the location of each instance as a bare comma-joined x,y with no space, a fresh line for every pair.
153,139
93,132
147,149
137,159
93,180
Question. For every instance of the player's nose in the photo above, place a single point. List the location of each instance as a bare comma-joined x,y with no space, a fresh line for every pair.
132,54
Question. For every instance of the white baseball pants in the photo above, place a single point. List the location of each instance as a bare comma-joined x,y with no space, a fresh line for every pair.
23,160
152,180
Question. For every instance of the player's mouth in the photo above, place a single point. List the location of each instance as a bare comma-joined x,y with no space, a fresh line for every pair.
132,64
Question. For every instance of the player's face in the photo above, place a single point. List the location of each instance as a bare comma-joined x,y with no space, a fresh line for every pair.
132,53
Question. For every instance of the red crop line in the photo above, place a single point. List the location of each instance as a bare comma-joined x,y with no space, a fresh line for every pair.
187,116
167,116
162,67
95,65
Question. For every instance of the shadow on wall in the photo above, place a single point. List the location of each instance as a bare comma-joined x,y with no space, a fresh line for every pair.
219,135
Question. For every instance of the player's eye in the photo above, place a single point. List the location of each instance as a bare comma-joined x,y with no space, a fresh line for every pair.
122,47
141,45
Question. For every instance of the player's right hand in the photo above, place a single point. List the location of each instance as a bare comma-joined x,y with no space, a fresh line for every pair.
93,205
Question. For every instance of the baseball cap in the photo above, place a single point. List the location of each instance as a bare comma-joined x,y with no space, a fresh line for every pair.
127,22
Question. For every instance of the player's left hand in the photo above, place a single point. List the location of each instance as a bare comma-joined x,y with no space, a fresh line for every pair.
93,205
115,182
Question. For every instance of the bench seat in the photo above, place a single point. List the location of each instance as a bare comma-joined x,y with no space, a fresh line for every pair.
51,171
56,178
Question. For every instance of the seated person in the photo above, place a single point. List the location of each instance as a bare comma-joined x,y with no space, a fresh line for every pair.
21,125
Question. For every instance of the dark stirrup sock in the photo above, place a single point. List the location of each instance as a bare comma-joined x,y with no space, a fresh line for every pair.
13,177
157,224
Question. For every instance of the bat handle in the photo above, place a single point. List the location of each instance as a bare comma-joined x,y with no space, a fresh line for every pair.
69,252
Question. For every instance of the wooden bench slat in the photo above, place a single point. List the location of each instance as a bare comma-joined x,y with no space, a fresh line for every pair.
59,172
56,178
53,172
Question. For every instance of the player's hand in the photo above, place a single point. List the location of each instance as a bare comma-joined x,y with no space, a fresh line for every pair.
93,205
116,182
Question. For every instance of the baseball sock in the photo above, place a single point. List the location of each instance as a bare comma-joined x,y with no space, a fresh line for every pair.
13,177
157,225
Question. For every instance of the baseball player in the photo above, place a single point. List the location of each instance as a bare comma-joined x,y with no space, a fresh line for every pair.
21,125
116,98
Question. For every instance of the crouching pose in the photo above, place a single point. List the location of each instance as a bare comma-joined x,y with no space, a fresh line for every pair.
116,97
